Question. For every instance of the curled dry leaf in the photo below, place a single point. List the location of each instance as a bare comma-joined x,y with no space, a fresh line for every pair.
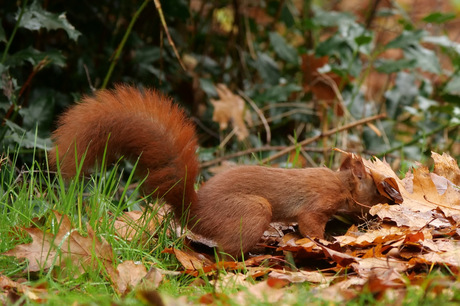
446,166
8,286
421,200
230,108
189,259
385,268
373,237
131,223
128,275
340,291
67,246
259,292
385,179
342,259
302,276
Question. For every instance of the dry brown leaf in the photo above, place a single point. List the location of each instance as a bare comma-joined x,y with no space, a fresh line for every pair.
386,268
154,277
373,237
450,258
424,190
8,286
302,276
68,245
340,291
259,15
420,199
446,166
230,108
259,292
189,259
325,86
130,275
131,223
404,216
342,259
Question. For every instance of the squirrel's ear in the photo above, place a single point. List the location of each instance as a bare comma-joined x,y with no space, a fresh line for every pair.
355,164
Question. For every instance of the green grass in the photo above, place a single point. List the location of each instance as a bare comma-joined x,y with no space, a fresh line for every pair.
29,196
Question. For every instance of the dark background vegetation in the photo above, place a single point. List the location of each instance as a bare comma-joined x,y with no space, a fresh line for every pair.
396,57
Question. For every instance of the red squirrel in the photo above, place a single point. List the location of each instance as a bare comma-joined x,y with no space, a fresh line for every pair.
233,208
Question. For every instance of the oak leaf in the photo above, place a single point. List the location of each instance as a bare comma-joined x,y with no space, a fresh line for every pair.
230,108
131,223
302,276
130,275
67,246
446,166
421,199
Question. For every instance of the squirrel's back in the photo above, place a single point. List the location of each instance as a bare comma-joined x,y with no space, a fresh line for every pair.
127,122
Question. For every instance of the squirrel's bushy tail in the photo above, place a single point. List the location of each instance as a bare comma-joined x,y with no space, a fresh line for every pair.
132,123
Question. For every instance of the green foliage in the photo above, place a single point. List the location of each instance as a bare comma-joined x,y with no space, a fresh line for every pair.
53,52
34,18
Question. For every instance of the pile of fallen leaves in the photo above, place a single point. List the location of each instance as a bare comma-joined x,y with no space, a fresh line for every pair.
405,243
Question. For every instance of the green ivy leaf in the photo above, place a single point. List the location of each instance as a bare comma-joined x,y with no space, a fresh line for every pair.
391,66
208,87
39,113
402,94
453,86
278,93
443,41
425,104
36,18
34,56
363,40
406,39
426,59
409,42
283,49
331,18
267,68
438,17
451,98
26,139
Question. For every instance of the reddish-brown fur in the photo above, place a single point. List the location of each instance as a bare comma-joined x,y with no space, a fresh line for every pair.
234,207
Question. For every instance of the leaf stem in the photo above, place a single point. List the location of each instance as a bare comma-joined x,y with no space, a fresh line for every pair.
13,34
122,43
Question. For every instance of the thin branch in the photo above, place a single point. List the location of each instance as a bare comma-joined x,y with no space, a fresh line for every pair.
250,151
171,42
325,134
260,114
417,139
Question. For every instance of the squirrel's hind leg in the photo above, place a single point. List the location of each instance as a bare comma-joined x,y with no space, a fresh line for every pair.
238,225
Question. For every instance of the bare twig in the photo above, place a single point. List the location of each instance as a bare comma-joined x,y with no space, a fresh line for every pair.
325,134
250,151
171,42
260,114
